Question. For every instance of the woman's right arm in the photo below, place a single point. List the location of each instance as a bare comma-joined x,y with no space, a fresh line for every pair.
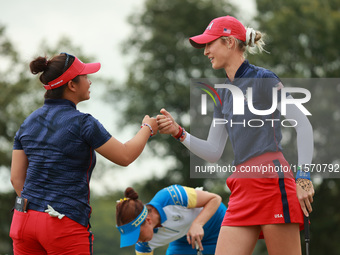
210,203
18,170
210,150
124,154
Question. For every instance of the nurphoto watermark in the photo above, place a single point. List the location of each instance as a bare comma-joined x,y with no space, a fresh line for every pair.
249,105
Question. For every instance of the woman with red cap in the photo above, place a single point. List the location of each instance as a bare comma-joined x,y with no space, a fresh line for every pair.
270,204
53,159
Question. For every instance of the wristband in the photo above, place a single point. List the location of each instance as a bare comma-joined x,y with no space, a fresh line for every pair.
181,138
302,175
303,172
179,134
147,125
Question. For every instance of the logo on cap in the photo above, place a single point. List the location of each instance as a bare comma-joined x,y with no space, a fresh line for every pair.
226,30
210,25
131,226
140,218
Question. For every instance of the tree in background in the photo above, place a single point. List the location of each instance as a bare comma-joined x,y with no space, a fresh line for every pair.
17,98
163,64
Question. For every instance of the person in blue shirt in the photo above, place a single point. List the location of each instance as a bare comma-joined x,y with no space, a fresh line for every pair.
267,204
184,218
54,154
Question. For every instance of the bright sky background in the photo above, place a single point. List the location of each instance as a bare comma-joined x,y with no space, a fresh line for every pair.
98,28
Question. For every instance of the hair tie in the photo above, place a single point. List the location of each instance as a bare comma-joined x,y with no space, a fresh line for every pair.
250,37
122,199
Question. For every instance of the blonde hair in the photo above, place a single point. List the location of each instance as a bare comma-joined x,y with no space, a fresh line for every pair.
254,44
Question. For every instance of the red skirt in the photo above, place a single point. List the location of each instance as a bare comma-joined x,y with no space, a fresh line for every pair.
263,191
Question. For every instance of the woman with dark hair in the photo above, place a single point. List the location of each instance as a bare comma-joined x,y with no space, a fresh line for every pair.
53,159
183,217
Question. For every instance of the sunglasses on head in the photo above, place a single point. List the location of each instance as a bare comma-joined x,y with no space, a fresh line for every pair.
67,60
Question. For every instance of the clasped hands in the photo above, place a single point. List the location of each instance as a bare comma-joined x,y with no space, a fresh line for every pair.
164,123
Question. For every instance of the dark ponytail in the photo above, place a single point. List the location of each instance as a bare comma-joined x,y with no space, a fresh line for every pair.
131,193
129,208
39,65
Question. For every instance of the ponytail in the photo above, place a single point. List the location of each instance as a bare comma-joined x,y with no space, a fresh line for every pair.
128,208
254,41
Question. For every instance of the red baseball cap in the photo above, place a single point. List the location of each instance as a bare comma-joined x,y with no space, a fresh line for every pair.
77,68
222,26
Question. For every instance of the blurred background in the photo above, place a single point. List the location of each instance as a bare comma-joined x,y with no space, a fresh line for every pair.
147,64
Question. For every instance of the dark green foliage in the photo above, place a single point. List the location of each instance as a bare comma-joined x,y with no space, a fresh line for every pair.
163,64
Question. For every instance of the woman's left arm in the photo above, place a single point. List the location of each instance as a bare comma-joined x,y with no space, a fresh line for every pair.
18,170
210,203
305,147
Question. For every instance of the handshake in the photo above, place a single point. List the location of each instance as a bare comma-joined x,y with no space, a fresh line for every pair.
165,124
